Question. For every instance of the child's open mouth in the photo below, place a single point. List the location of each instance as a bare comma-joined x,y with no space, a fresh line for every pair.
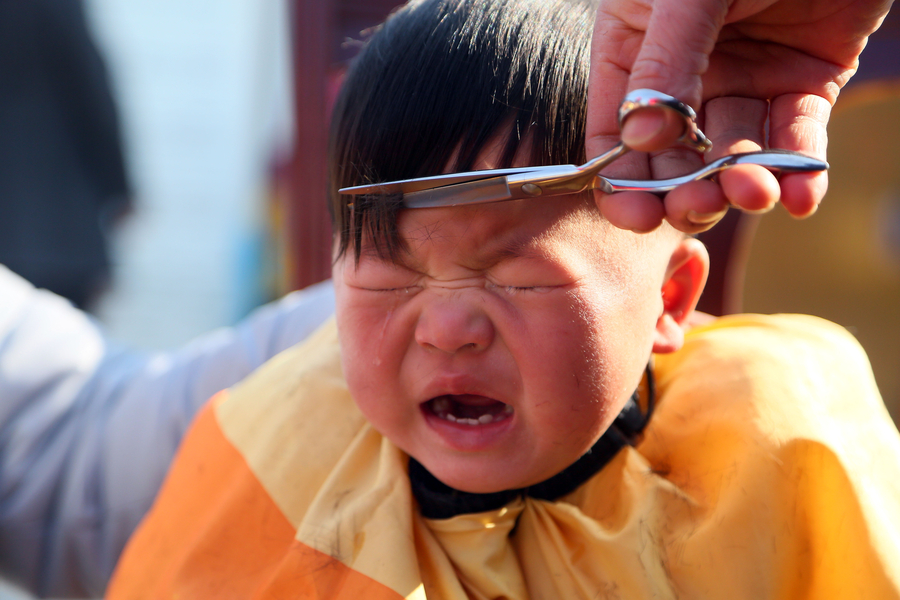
467,409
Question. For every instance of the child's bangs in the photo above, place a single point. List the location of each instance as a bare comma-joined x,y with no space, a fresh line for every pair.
441,82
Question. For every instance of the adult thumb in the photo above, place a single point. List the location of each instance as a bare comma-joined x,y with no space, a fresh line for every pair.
674,55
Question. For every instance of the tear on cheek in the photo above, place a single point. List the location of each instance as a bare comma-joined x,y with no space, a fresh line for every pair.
468,409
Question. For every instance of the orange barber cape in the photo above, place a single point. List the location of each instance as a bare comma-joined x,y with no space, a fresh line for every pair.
769,469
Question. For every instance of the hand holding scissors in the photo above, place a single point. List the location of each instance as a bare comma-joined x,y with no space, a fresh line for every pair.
497,185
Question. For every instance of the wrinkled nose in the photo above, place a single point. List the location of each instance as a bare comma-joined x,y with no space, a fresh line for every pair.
454,326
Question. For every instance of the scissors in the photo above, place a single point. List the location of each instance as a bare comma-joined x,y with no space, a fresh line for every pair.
497,185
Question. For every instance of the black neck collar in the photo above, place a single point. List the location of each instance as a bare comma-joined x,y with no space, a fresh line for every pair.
439,501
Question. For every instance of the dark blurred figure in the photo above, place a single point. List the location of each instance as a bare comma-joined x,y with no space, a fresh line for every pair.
62,173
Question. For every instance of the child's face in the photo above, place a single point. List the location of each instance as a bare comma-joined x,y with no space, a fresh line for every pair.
508,338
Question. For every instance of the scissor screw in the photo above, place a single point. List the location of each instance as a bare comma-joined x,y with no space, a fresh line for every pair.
531,189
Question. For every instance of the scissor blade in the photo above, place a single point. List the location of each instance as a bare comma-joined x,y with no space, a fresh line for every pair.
494,189
408,186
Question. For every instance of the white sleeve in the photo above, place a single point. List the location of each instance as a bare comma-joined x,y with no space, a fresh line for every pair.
87,431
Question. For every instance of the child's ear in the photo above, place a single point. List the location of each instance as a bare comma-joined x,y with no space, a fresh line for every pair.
685,278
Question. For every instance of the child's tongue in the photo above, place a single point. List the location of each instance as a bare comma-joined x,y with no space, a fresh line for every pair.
469,409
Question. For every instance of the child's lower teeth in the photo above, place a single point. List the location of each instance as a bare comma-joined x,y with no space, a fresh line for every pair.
442,407
482,420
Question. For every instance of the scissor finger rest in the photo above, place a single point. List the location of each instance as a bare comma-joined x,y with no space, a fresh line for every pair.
776,160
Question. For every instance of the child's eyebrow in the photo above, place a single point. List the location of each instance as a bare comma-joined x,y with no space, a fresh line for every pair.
518,245
506,246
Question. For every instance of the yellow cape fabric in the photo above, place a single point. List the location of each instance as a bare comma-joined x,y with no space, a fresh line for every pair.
768,470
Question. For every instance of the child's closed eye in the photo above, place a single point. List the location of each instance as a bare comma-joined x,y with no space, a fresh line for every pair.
378,276
405,289
517,289
518,277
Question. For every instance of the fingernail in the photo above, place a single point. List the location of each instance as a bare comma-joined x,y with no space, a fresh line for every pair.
705,218
643,127
811,212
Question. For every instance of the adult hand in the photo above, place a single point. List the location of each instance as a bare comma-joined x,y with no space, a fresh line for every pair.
743,63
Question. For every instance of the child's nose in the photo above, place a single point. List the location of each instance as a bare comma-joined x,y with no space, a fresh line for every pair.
454,326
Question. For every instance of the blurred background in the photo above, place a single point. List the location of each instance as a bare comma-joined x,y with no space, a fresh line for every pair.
204,90
215,116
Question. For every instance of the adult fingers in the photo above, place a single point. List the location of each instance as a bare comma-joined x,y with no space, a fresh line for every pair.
679,39
617,36
650,129
613,48
739,125
798,122
735,125
696,206
619,39
691,208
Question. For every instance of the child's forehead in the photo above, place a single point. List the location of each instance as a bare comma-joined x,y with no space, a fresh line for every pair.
491,233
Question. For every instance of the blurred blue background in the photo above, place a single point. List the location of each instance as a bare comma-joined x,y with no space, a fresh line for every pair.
205,97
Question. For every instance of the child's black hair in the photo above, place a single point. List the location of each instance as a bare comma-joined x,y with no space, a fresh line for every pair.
439,81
